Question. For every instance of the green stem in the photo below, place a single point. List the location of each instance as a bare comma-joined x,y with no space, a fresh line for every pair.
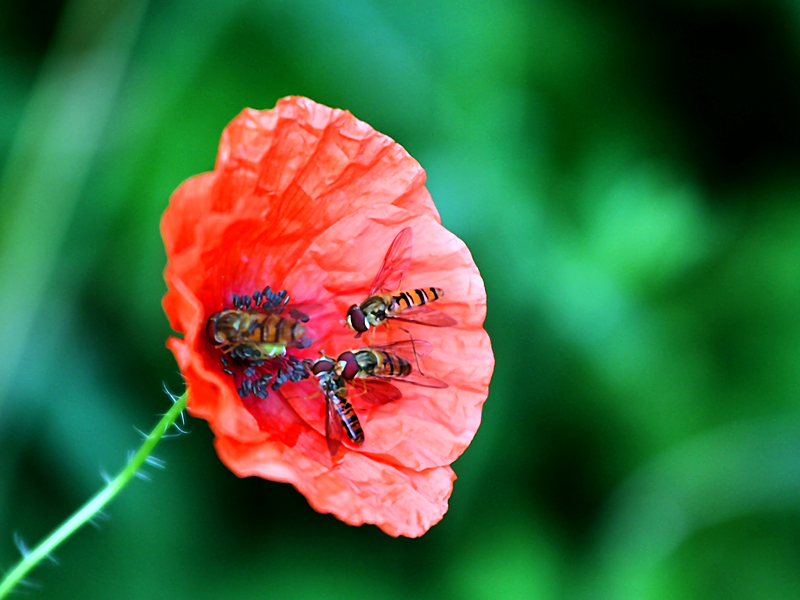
96,504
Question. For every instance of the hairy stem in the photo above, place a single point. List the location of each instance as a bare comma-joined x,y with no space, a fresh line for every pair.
96,504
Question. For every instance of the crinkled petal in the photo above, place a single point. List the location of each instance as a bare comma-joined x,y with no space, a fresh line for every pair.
424,429
357,489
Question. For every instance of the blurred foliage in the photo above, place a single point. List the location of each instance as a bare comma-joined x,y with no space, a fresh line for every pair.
625,174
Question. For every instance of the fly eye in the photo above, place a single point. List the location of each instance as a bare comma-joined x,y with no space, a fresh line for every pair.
322,366
350,365
211,329
356,319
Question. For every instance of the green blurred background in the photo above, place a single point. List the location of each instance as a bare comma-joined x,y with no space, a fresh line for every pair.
627,177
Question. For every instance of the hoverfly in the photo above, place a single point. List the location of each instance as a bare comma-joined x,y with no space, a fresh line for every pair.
385,302
370,372
253,338
256,333
339,413
387,363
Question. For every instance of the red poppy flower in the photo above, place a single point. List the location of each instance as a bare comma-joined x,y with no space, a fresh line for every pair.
307,199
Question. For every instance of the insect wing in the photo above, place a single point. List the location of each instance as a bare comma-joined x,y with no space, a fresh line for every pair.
395,263
376,391
333,427
425,315
414,379
408,349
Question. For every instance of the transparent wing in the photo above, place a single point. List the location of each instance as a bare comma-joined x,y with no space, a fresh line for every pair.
425,315
374,391
408,349
395,264
333,428
413,379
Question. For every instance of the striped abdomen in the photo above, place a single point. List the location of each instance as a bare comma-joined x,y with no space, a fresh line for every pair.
348,417
280,330
375,310
254,333
338,407
397,303
380,363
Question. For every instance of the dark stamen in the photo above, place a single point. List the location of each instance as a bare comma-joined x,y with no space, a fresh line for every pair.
280,378
298,315
297,369
273,300
261,385
246,389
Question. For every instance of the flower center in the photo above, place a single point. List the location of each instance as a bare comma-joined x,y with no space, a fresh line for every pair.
255,337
